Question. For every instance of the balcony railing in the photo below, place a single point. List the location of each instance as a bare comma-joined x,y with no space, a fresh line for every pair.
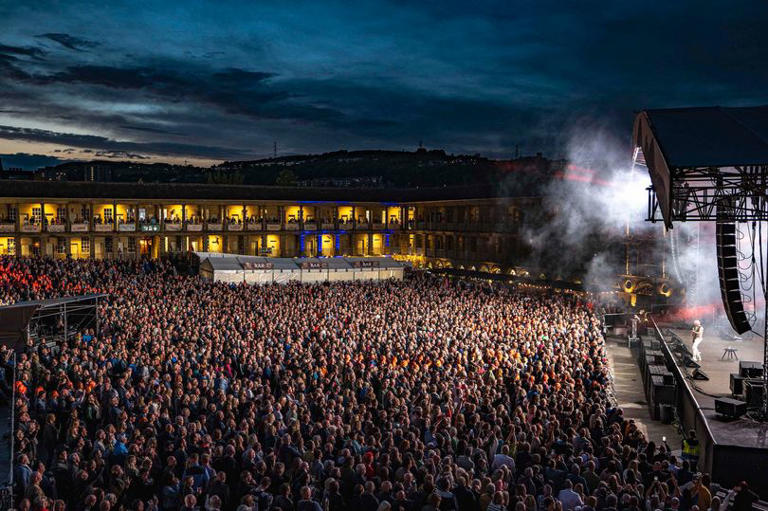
310,225
79,227
103,227
257,225
214,226
30,227
328,226
56,227
292,226
149,227
126,227
7,227
194,226
172,226
273,226
234,226
378,226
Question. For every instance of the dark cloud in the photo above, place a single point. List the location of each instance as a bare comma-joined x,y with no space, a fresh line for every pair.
240,78
232,90
165,79
69,41
149,129
121,155
469,77
118,78
109,145
27,51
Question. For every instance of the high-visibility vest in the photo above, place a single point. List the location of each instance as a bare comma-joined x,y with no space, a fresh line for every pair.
690,450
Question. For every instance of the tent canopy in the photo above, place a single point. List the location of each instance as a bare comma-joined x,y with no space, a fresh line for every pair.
234,262
234,268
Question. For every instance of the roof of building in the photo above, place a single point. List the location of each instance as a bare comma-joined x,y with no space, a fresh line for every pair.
707,136
160,191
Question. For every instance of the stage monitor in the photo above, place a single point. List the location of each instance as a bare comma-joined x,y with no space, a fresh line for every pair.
732,408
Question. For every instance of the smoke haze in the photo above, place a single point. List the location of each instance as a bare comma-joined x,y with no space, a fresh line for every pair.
588,209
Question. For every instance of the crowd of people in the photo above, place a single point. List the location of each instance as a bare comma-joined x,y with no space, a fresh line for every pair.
414,395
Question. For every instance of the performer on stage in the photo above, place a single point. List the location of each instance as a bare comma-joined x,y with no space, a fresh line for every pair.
697,335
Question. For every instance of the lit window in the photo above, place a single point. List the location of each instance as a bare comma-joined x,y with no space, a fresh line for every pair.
85,245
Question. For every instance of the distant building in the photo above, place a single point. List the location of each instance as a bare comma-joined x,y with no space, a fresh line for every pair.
80,171
343,182
16,173
472,227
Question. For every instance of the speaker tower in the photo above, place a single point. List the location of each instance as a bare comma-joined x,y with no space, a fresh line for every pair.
728,271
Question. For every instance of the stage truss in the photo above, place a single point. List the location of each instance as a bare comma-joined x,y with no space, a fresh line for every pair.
725,194
706,194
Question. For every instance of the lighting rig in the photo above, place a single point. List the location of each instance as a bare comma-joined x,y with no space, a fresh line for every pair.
711,165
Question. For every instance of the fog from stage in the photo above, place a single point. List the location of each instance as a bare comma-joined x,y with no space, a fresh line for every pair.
598,194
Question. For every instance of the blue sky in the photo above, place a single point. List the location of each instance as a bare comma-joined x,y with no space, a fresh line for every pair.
208,81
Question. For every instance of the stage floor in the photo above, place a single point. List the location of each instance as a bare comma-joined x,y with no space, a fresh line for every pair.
743,432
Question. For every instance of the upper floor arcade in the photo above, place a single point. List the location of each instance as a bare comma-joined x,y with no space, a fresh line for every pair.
65,207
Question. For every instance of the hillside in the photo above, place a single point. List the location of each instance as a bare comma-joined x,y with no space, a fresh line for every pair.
421,168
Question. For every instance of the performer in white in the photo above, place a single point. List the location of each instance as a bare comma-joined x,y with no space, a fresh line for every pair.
697,335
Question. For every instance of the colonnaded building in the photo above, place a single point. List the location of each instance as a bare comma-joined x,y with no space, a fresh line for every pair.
473,228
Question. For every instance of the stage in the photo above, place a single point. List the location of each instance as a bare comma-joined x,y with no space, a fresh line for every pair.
732,449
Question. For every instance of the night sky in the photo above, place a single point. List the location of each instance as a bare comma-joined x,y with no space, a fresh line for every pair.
209,81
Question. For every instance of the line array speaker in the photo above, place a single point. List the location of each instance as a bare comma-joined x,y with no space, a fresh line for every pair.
728,271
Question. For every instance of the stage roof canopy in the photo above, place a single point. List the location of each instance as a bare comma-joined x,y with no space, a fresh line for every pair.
708,136
675,140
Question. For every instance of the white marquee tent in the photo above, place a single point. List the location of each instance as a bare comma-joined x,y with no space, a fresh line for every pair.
265,270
